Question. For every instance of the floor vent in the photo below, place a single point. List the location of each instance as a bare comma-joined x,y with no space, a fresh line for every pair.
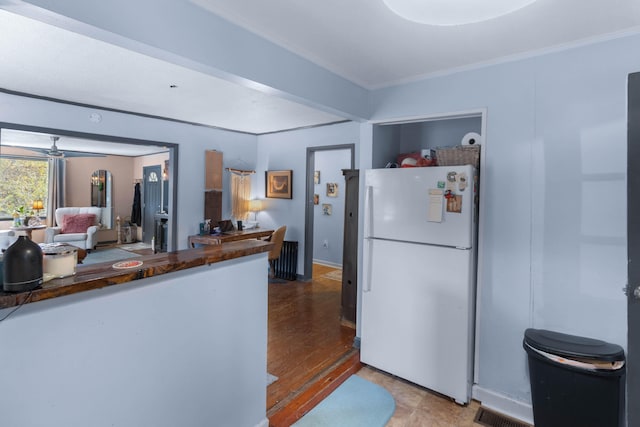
489,418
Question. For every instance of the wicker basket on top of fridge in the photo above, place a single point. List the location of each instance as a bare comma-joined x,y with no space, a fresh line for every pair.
459,155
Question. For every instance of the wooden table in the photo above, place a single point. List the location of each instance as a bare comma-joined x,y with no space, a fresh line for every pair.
28,229
229,236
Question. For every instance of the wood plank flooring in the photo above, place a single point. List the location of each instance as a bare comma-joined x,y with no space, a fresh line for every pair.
305,336
312,354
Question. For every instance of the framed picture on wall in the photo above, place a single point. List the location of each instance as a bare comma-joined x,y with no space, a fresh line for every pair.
326,209
316,199
278,184
332,189
316,177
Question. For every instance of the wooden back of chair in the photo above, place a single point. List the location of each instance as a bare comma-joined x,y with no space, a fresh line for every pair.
277,238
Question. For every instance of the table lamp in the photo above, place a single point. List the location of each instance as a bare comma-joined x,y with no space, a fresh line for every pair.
37,205
35,220
255,206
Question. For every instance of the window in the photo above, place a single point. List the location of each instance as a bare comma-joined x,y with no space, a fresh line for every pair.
22,180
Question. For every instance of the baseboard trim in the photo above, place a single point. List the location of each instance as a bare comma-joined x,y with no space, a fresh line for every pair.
106,243
502,404
327,263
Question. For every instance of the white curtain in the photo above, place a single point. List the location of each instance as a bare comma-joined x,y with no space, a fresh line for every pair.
55,190
240,194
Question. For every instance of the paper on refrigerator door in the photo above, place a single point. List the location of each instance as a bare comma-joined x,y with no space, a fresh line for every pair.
436,201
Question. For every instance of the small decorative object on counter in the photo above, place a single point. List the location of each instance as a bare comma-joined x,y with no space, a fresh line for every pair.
34,221
59,259
22,266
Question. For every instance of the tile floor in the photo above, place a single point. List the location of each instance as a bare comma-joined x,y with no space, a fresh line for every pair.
418,407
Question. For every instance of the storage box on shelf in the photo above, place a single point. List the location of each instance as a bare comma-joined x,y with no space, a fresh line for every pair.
459,155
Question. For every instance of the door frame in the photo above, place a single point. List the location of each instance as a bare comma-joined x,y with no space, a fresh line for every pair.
633,248
308,209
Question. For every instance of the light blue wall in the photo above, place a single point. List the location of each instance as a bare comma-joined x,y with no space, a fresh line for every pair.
330,228
143,353
554,212
288,150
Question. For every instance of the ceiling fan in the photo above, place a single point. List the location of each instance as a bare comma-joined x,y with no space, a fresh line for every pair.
55,153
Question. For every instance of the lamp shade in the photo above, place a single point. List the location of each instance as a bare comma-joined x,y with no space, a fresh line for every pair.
37,205
255,205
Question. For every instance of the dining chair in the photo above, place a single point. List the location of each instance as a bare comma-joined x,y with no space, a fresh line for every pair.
277,238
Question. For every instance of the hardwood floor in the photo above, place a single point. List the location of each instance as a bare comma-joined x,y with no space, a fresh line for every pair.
312,354
305,336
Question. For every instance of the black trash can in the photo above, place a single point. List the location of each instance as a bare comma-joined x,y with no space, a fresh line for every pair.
575,381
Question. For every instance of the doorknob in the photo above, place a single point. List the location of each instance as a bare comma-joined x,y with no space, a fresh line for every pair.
636,291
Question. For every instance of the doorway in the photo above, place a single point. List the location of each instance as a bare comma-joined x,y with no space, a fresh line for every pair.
329,206
310,205
105,145
152,200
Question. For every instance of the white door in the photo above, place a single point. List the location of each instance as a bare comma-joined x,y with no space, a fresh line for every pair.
400,204
417,314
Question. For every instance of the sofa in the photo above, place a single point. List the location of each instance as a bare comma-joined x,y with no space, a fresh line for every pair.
77,226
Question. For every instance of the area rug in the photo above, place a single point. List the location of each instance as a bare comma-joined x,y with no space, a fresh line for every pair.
104,255
355,403
135,246
334,275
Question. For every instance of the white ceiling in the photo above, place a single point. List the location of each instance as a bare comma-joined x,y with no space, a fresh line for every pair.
44,60
366,43
360,40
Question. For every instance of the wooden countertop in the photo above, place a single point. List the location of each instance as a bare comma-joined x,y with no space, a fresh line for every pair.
229,236
96,276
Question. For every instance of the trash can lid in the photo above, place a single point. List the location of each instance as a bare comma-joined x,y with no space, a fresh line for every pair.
572,346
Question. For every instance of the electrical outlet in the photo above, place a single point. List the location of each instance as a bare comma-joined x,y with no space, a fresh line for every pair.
325,244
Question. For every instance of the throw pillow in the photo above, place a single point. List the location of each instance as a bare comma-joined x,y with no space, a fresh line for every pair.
77,223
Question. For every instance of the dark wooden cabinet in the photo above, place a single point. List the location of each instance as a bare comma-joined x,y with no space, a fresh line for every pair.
213,186
350,246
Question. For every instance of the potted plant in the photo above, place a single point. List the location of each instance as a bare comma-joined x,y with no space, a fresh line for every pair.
19,217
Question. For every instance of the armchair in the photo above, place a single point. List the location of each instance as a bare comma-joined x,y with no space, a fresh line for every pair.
77,226
7,237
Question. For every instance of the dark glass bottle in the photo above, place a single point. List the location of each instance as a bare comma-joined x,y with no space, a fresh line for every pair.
22,266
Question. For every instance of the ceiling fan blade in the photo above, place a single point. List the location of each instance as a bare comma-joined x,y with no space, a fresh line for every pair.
55,152
68,153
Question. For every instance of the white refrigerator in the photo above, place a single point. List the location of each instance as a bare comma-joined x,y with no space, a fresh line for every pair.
418,288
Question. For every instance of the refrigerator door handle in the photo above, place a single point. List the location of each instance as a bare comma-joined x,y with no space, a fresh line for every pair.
368,208
368,264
